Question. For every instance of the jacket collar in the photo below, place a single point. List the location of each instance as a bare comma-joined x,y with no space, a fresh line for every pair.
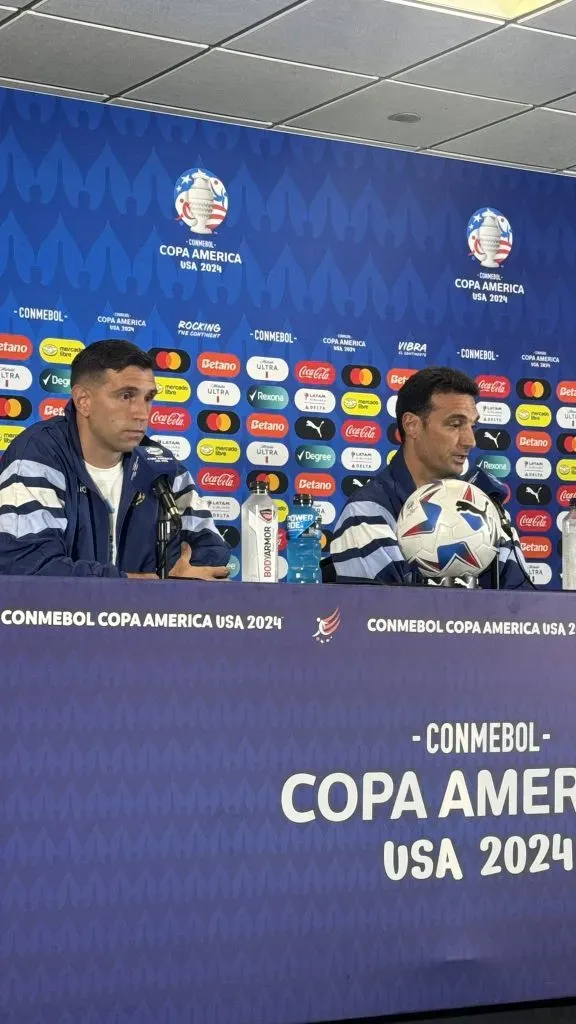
80,462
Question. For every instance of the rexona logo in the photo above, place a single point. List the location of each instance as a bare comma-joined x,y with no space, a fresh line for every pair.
267,425
51,407
218,364
533,441
356,403
396,379
267,368
267,396
536,547
308,372
267,453
566,390
529,388
365,431
314,400
363,460
533,469
566,469
15,346
490,440
172,389
7,435
277,481
498,465
170,360
218,451
218,392
169,418
315,428
566,418
564,495
14,408
60,350
317,456
537,521
567,443
493,386
218,479
361,376
533,415
218,422
320,484
55,381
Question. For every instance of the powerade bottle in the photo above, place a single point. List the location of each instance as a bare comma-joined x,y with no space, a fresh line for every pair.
569,548
259,537
304,541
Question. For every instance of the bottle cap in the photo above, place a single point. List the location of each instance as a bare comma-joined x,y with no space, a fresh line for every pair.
260,487
303,499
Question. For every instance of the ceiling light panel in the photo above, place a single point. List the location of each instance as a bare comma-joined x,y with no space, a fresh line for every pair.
506,9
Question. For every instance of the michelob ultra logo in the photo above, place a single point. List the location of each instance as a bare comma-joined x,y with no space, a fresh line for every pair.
172,389
358,403
7,435
566,469
533,415
218,451
60,350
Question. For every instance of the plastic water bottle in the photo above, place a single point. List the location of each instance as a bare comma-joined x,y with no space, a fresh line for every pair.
569,548
304,541
259,537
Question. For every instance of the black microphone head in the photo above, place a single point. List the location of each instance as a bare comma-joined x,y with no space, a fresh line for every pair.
151,462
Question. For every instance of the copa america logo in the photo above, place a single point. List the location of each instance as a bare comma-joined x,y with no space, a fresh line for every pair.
489,236
201,201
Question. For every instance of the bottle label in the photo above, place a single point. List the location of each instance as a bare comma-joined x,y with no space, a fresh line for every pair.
263,546
298,522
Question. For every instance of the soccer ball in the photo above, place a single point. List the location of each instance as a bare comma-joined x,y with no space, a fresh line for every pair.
449,528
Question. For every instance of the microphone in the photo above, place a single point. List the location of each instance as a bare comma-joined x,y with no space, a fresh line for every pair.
155,470
496,492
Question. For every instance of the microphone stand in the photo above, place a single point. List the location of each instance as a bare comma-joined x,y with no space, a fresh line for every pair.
163,535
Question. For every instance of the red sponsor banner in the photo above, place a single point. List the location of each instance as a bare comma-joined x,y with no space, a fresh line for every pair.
169,417
361,431
218,364
534,520
15,346
534,441
493,386
50,407
218,479
536,547
396,379
267,424
318,484
566,391
310,372
565,494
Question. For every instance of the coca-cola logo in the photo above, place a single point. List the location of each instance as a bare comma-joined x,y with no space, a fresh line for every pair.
361,430
308,372
565,494
219,480
538,520
169,417
492,386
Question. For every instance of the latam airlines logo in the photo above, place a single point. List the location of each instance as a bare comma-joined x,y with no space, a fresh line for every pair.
201,201
490,237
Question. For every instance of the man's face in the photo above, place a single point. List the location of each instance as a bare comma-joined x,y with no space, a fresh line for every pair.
115,409
442,441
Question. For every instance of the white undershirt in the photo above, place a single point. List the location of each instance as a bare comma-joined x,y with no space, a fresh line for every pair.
109,483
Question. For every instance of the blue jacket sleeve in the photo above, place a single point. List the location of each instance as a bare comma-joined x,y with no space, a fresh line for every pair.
198,527
364,546
514,573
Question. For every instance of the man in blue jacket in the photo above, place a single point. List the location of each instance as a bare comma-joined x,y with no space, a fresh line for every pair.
436,415
68,504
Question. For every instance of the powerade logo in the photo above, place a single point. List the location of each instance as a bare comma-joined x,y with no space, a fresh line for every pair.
319,456
57,382
497,465
267,396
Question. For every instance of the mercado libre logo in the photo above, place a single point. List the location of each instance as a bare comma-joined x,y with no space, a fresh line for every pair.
201,203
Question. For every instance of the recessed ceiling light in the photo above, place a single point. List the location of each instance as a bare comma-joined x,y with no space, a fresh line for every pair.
506,9
405,118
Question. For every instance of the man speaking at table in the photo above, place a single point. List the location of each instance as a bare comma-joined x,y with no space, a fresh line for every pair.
75,492
436,415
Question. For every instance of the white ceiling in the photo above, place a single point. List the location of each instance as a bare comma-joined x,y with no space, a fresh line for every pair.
484,89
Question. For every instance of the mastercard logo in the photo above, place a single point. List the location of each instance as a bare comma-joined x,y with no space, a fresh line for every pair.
218,451
172,389
7,435
355,403
212,422
567,443
277,482
566,469
533,415
170,360
361,376
60,350
535,389
15,408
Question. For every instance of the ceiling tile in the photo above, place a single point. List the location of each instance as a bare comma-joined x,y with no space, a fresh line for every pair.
568,103
376,37
559,19
54,52
542,138
242,86
204,115
206,22
508,9
444,115
512,64
5,12
53,90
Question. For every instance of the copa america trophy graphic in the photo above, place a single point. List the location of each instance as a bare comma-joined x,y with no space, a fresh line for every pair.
489,237
201,201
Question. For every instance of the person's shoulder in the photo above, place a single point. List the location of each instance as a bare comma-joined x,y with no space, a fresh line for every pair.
378,489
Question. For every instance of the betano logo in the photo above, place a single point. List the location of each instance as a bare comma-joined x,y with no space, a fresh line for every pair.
533,441
15,346
170,360
566,469
396,379
51,407
267,425
172,389
357,403
321,485
60,350
7,435
536,547
218,451
566,390
14,408
218,364
533,415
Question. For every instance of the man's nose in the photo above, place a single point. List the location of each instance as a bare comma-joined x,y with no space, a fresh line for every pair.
467,437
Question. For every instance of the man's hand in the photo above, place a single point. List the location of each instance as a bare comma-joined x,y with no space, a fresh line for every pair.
183,569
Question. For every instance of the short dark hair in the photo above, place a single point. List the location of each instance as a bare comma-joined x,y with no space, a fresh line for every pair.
95,359
416,394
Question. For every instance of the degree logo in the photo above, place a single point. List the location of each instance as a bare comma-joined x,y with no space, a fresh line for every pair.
55,381
362,376
60,350
12,408
218,451
170,360
218,422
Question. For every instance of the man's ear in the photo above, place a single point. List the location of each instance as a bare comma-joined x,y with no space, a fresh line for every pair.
411,424
81,398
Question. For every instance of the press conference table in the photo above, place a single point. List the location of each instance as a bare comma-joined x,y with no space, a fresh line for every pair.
233,804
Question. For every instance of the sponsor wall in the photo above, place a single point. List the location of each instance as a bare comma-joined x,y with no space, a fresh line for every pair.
286,287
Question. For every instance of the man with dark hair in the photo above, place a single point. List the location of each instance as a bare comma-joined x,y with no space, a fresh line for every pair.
436,415
68,503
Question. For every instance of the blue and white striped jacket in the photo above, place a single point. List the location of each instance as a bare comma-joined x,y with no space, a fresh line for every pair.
364,546
54,521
